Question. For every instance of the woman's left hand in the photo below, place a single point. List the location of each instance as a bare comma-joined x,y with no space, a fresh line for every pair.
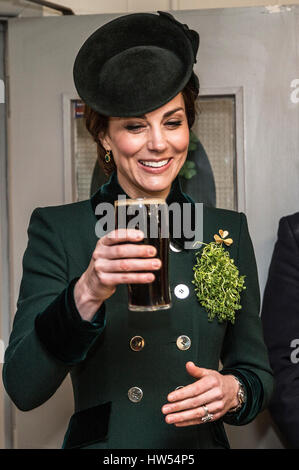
216,391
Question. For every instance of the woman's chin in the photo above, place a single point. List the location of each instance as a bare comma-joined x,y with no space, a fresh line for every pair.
155,186
156,181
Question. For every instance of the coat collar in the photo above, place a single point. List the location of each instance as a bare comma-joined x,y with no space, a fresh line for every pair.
109,192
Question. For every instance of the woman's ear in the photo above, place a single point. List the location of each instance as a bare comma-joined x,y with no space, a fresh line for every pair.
105,141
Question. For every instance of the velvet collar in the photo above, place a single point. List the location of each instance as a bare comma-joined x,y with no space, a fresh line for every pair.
109,192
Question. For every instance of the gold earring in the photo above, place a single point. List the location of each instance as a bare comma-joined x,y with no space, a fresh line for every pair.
107,156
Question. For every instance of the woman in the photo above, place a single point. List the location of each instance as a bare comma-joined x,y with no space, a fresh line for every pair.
72,310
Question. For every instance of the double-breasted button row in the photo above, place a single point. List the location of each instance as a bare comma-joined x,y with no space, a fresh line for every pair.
181,291
183,343
137,343
135,394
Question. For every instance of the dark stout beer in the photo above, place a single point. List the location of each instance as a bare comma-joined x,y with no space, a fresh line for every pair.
151,216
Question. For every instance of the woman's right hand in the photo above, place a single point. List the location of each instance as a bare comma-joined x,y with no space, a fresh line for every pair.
114,261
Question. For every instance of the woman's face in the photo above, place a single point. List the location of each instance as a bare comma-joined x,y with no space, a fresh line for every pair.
158,138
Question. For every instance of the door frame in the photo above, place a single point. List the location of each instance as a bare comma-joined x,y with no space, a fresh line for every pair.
6,430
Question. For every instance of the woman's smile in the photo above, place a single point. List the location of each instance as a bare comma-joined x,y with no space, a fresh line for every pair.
155,166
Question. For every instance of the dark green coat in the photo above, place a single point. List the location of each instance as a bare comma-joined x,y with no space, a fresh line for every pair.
49,338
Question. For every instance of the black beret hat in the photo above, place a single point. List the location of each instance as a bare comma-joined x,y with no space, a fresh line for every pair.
135,64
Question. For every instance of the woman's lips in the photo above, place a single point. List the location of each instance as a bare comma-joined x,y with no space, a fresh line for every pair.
155,170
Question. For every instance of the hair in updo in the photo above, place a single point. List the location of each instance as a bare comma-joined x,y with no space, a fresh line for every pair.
97,123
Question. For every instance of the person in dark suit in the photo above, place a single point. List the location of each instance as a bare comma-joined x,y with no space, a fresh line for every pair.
280,318
165,390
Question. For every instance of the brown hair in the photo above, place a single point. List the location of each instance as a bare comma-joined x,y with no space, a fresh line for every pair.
97,123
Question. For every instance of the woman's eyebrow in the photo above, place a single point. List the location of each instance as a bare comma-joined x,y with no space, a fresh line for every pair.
143,116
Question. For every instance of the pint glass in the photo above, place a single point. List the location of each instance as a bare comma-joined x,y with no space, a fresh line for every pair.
151,216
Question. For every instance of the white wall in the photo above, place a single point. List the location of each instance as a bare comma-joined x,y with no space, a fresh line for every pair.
24,8
20,8
87,7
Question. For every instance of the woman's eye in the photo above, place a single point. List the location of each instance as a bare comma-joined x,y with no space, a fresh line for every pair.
174,123
136,127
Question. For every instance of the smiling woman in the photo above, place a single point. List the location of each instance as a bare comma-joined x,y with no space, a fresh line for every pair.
141,379
149,151
97,123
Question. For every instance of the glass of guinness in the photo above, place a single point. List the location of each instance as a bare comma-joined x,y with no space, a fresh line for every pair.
151,216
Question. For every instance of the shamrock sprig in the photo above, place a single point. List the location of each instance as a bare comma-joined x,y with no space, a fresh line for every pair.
218,284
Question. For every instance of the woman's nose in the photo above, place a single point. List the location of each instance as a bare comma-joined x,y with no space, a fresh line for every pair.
156,141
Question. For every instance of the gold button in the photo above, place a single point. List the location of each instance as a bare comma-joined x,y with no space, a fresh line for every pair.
137,343
135,394
183,342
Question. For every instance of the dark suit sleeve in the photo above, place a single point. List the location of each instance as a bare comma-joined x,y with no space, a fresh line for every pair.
244,353
48,335
280,316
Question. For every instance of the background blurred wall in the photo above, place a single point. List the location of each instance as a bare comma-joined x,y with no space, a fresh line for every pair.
24,8
85,7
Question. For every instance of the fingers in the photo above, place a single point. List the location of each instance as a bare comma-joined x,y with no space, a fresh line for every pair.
113,246
116,262
112,279
192,390
191,403
192,422
125,251
195,371
122,235
185,407
129,265
195,415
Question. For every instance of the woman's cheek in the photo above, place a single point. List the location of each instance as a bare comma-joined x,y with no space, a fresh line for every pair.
129,145
180,141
